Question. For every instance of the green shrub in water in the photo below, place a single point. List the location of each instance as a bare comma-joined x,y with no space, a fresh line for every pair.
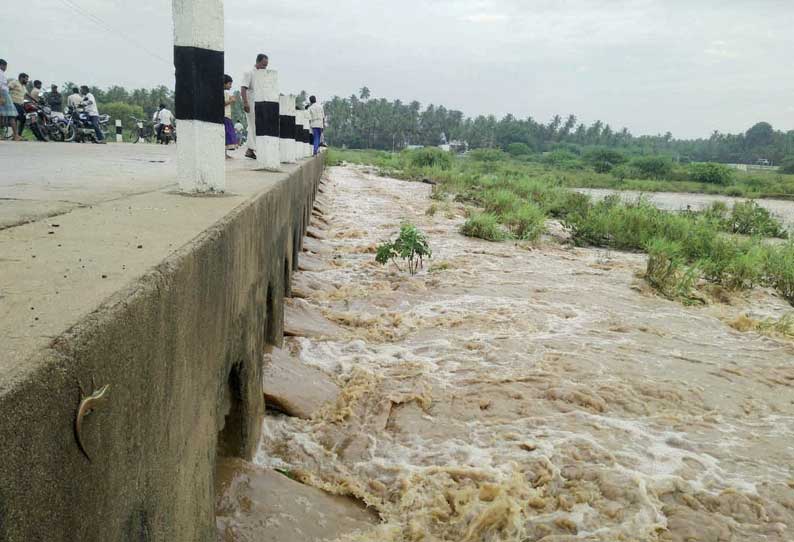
428,157
484,226
779,270
499,201
749,218
411,246
667,271
527,222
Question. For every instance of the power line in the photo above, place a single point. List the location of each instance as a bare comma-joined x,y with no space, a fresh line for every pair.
118,33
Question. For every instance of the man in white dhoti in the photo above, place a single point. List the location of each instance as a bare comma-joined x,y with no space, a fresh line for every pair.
247,95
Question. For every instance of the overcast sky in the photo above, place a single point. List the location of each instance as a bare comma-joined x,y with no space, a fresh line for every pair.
687,66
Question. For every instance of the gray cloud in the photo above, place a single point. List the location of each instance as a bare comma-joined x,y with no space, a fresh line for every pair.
651,65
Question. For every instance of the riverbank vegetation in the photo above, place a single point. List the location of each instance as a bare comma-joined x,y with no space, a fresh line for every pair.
598,169
362,121
734,246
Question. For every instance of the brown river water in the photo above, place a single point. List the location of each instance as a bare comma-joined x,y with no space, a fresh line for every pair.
516,393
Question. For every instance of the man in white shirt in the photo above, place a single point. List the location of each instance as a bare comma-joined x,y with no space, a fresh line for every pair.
317,122
163,117
247,95
74,100
90,106
35,94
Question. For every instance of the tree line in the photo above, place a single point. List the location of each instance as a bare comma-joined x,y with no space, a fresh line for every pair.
363,122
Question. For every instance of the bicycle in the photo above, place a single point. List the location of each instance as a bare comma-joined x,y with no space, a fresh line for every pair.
144,131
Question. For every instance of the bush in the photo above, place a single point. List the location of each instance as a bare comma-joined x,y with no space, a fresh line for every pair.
499,201
518,149
604,160
429,157
787,165
780,270
562,158
710,173
527,222
749,218
652,167
486,155
484,226
667,271
411,245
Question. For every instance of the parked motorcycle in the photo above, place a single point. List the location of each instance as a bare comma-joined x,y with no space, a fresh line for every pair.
84,129
35,119
59,126
167,134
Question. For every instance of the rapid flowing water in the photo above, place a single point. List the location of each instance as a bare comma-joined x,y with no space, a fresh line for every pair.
513,393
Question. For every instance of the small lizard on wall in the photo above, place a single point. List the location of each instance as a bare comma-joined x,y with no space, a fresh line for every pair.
87,405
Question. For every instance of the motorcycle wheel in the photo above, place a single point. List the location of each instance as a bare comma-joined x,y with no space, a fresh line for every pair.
38,132
56,134
70,133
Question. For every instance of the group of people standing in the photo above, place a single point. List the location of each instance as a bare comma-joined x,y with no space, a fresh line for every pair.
316,112
14,93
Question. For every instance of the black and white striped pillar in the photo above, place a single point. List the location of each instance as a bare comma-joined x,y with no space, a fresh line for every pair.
266,109
198,59
118,131
300,136
287,128
307,136
139,126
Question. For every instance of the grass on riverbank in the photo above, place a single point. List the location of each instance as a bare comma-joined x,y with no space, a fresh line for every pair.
726,246
424,163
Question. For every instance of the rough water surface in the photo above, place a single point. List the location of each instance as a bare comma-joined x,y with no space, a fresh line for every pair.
512,393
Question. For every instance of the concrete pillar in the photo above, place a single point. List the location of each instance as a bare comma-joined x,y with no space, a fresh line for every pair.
302,122
266,109
139,126
295,143
198,60
298,134
307,136
118,131
287,128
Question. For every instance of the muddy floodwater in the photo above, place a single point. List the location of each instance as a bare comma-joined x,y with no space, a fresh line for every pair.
515,393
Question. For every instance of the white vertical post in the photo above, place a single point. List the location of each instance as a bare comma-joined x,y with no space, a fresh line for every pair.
198,59
287,128
266,109
139,126
118,131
